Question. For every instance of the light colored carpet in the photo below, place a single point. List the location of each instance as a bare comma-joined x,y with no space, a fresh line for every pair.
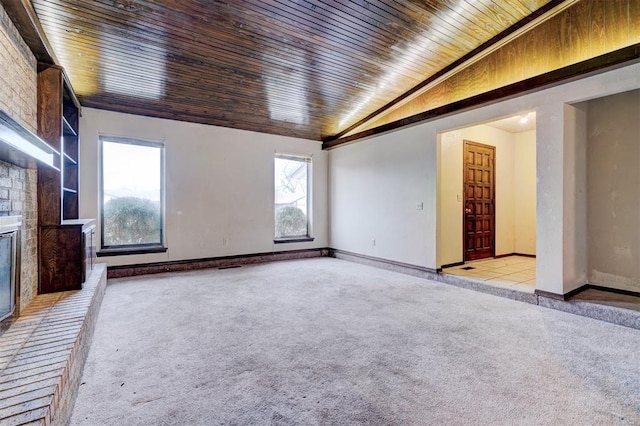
329,342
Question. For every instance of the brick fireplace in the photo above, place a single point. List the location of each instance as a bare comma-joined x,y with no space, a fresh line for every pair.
18,186
43,346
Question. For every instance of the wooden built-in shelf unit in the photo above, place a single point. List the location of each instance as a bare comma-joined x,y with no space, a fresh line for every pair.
69,160
66,243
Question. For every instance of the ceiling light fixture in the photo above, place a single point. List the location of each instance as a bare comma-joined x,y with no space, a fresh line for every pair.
524,119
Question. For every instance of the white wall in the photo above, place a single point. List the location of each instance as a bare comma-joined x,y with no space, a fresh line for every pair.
375,187
614,191
218,185
450,198
574,225
376,182
524,195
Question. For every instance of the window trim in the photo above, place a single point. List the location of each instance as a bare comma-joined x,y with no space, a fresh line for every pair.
308,159
287,240
130,249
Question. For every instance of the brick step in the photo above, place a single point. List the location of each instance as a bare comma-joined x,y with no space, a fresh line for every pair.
42,354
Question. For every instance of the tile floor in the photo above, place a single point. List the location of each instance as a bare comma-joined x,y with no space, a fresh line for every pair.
517,272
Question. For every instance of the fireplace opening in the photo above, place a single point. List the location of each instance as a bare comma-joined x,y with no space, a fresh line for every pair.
9,269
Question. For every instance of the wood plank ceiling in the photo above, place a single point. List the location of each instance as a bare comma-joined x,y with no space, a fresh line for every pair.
299,68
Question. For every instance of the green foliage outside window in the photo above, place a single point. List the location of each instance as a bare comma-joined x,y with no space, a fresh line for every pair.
131,220
290,222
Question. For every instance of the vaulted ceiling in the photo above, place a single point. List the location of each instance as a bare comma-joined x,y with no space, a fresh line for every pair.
299,68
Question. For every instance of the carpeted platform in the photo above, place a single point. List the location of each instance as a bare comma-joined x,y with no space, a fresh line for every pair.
325,341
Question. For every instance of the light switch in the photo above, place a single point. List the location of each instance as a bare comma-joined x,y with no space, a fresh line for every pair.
419,206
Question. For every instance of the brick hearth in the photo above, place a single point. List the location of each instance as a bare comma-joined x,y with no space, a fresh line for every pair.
43,352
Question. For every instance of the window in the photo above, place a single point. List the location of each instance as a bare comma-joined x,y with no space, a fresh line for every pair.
292,195
132,195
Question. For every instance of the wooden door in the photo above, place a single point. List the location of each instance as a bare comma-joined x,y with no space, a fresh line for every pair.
479,201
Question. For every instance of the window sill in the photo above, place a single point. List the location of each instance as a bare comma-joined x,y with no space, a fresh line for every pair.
130,251
293,240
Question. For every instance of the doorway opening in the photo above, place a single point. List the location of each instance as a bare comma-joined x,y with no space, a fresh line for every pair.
487,202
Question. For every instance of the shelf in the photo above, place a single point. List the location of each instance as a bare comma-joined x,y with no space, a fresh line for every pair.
69,160
67,129
21,147
84,223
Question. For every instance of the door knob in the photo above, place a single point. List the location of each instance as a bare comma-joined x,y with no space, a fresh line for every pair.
467,211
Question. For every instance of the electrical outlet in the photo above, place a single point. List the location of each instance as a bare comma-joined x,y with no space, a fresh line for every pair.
224,241
419,205
373,242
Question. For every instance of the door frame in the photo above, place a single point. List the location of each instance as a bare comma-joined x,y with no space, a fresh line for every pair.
465,143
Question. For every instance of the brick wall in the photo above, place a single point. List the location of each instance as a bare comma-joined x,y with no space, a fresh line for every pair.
18,186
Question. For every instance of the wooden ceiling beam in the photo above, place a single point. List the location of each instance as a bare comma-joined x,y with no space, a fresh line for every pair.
469,56
609,61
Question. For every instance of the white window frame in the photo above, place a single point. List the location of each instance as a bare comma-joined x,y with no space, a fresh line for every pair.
308,159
